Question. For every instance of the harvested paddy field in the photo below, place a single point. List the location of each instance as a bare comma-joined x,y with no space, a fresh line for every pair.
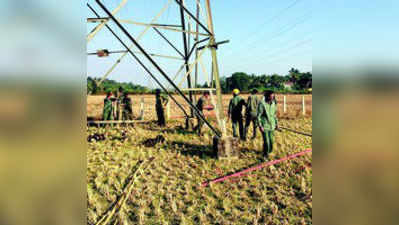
136,177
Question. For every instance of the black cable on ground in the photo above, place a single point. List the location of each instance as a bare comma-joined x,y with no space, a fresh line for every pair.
294,131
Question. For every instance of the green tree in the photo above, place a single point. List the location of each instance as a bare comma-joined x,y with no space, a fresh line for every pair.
113,86
304,81
91,86
238,80
301,81
294,75
276,82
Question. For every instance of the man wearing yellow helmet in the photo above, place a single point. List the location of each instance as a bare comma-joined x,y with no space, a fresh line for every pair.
235,113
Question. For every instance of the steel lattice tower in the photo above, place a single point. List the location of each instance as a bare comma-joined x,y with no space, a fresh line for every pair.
192,27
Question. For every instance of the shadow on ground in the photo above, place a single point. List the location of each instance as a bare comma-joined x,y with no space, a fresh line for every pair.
178,130
202,151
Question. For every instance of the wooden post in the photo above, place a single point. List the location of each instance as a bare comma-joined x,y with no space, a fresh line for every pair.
120,111
141,109
303,105
168,110
285,104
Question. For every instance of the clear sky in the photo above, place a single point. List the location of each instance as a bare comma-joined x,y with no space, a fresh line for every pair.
265,36
355,33
269,36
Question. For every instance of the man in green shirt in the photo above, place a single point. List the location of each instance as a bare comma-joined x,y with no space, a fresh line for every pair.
267,120
251,113
202,101
108,113
118,104
126,106
235,113
160,102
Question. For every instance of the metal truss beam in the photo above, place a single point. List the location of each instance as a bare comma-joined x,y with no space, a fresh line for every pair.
161,26
149,58
137,52
186,58
193,17
109,71
106,19
138,60
101,25
195,45
167,41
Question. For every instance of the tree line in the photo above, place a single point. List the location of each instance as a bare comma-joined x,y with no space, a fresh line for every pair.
113,86
294,82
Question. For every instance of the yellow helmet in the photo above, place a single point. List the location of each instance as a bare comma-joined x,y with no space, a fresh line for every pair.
236,91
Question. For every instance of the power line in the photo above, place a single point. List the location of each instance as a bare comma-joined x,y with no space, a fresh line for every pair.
276,16
302,53
298,44
301,43
278,34
252,34
282,32
273,56
289,28
276,56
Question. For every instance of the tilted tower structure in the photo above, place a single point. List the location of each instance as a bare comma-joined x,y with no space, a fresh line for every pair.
197,38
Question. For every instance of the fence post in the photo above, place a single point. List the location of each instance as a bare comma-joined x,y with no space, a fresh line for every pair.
141,109
168,110
120,111
285,104
303,105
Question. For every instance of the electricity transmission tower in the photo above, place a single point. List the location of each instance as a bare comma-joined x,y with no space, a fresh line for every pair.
197,38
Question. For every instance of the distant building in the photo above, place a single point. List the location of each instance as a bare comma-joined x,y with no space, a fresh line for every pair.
288,85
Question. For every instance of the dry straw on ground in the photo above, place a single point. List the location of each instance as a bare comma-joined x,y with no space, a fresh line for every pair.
168,191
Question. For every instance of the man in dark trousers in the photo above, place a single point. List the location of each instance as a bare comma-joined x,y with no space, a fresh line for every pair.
267,120
251,113
108,113
160,102
126,107
235,113
119,105
202,102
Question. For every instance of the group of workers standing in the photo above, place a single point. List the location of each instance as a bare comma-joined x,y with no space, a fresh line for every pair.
260,112
117,106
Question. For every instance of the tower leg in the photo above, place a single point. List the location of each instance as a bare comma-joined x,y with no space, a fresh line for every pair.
226,147
189,123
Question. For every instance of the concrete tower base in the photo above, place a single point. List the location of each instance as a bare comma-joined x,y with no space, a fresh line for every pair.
226,147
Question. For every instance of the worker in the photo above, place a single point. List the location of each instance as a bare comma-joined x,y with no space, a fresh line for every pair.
118,104
235,113
251,113
115,105
160,102
202,102
108,113
126,106
267,121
